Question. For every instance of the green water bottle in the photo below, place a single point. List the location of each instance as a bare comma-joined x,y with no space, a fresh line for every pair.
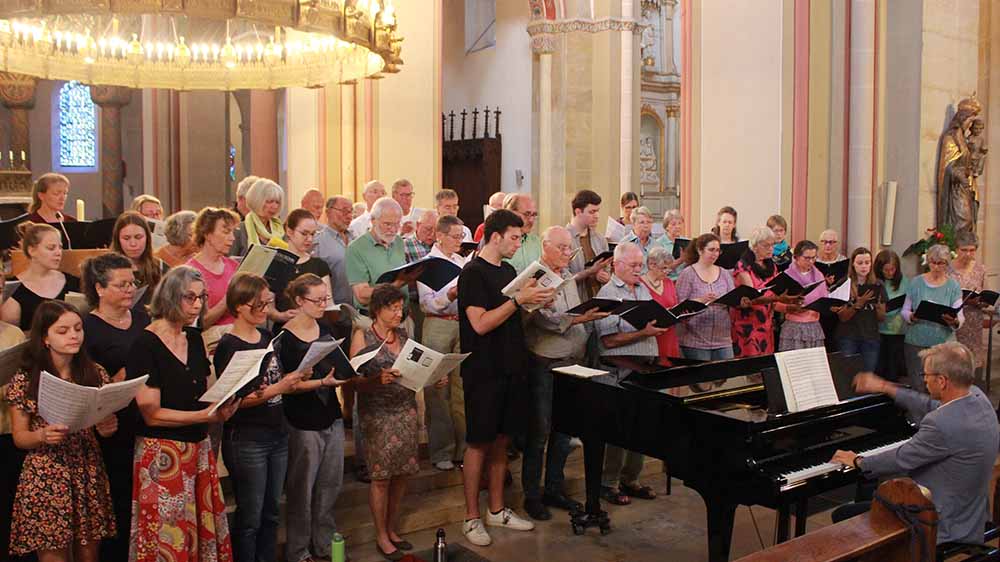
338,549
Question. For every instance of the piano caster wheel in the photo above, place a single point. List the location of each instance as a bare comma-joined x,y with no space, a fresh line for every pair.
582,520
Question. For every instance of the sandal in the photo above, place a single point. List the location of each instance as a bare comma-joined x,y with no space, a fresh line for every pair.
638,491
614,497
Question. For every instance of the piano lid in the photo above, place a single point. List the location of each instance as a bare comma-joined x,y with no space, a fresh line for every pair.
691,382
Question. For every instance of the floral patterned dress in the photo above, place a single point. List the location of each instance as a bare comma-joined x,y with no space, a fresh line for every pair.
389,415
753,329
63,496
971,332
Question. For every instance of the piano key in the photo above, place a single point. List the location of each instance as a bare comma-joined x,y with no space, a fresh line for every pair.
797,477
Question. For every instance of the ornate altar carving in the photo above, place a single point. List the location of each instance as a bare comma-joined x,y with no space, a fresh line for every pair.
961,156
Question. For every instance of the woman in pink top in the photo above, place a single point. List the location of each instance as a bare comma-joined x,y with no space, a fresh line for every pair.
659,264
213,234
801,329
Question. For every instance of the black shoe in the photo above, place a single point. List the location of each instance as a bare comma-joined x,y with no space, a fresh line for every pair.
561,501
362,474
395,555
401,545
537,510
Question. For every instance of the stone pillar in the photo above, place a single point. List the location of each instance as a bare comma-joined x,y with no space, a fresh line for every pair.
667,10
629,100
671,153
111,99
550,202
242,98
861,133
17,93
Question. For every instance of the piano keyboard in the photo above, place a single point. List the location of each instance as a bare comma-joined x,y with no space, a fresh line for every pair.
794,478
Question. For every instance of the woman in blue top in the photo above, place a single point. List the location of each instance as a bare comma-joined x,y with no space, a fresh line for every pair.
892,329
937,287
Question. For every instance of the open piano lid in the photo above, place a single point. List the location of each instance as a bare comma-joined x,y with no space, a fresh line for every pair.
691,382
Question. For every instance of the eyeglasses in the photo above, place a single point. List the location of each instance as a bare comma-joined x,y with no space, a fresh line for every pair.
191,298
345,210
828,241
126,285
261,306
937,262
320,301
807,258
530,214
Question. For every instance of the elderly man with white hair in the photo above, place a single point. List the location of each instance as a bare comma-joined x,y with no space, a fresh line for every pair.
616,336
531,245
376,251
373,191
312,201
494,202
553,337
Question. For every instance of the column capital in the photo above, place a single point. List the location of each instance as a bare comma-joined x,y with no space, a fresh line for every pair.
543,44
17,90
110,96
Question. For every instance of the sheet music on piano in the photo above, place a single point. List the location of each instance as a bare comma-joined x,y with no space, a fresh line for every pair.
806,379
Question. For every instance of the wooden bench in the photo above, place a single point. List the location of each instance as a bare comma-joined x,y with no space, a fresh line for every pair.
879,535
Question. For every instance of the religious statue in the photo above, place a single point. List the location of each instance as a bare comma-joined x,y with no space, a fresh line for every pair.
959,164
648,166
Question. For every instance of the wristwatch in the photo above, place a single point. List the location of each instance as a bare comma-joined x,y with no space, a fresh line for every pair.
855,463
513,299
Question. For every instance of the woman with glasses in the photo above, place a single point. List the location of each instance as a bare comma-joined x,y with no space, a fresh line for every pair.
213,234
629,202
254,440
753,320
177,507
971,275
673,228
42,280
300,231
659,264
133,239
708,335
315,427
389,415
934,286
112,327
801,328
642,230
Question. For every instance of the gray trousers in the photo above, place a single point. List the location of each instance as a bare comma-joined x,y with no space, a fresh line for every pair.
315,475
445,437
621,466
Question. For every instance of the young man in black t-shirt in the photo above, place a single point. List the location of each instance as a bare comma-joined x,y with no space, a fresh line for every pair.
495,408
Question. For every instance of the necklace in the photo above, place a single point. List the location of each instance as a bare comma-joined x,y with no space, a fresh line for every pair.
124,319
387,337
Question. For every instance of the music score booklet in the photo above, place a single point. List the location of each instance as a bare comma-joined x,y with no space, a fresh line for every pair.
806,379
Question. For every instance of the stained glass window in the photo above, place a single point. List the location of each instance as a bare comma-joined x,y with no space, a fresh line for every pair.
77,127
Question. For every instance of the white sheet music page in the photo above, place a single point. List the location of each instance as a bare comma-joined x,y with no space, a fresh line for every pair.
580,371
806,379
80,407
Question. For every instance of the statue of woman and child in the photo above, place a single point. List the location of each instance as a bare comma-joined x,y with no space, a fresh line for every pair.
961,156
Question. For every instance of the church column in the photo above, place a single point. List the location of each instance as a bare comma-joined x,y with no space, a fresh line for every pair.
667,10
550,203
861,131
17,93
628,101
670,153
111,99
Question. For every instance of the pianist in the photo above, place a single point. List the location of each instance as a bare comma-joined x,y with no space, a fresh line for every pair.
953,451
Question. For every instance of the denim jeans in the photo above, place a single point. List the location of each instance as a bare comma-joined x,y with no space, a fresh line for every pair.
867,349
707,354
538,431
257,472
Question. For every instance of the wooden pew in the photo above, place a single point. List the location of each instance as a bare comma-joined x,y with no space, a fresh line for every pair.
878,535
71,260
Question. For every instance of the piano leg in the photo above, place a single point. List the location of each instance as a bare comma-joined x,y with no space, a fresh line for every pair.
782,524
593,466
801,515
721,515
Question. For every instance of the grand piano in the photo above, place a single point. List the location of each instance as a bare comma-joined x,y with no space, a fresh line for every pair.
723,428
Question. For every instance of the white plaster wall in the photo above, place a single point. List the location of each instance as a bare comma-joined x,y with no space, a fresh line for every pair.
740,134
299,145
499,76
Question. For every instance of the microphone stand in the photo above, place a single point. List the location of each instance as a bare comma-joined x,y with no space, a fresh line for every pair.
62,226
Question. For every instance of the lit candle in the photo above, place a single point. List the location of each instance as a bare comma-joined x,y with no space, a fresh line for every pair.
10,154
79,210
23,157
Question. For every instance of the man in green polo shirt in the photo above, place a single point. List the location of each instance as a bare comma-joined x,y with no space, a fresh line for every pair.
531,245
377,251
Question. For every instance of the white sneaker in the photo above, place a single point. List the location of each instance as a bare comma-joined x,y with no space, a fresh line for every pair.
444,465
475,533
507,518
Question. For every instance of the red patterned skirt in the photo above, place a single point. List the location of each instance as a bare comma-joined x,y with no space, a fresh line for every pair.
177,509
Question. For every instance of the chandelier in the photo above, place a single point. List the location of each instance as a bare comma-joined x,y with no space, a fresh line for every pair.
199,44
